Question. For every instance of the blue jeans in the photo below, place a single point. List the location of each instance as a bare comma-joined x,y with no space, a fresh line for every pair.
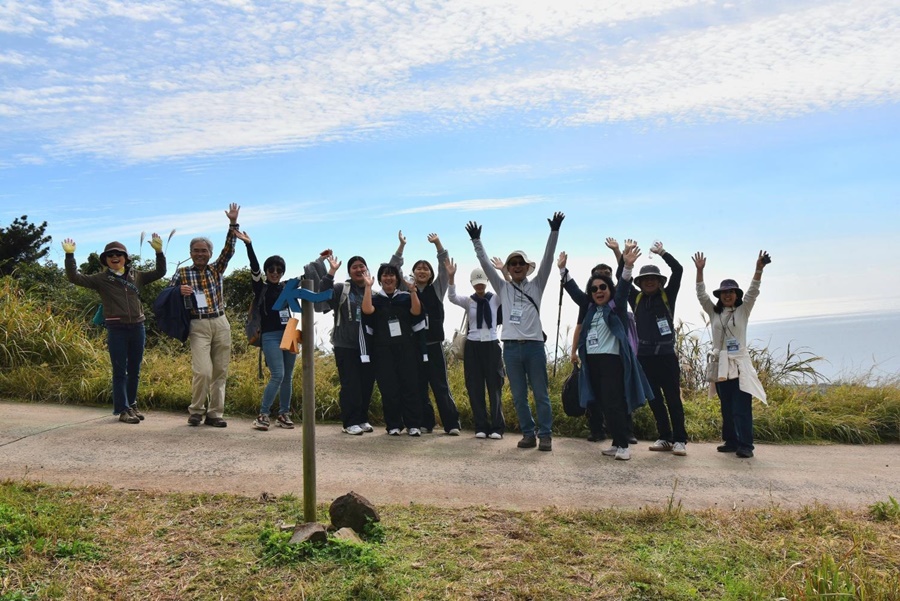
126,352
526,363
281,369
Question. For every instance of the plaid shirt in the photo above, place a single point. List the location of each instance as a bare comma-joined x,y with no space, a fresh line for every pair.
209,278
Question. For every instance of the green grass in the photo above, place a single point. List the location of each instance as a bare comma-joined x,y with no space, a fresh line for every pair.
100,543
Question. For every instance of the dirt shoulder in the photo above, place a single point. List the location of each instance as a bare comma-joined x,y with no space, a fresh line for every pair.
80,445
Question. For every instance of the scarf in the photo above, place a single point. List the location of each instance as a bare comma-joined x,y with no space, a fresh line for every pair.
483,310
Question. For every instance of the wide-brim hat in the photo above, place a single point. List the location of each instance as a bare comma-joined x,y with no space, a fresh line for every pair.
117,246
728,285
478,277
521,253
650,271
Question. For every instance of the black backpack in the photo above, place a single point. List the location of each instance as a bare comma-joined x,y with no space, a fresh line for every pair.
571,404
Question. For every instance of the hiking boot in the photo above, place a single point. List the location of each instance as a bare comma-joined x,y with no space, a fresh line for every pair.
284,421
495,436
610,452
261,422
366,427
215,422
394,432
194,419
661,445
528,442
453,432
623,454
726,448
744,453
134,411
480,435
354,430
546,444
127,418
680,449
413,431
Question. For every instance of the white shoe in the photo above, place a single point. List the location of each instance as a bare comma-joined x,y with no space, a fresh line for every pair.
680,449
366,427
414,432
623,454
453,432
661,445
480,435
354,430
394,432
495,436
610,452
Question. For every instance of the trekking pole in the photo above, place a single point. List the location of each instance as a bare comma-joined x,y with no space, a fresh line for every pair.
562,283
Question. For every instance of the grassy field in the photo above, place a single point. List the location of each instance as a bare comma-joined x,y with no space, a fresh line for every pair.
99,543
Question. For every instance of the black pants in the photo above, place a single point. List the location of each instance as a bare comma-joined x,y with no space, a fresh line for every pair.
396,373
484,369
434,373
737,414
607,377
664,375
357,383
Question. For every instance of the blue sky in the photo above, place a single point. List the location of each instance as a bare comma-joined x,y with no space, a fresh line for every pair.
725,127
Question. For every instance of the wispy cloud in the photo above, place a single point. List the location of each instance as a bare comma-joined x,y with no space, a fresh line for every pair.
144,82
478,204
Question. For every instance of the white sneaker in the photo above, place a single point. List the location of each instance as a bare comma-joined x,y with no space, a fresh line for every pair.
453,432
480,435
610,452
495,436
367,427
623,454
394,432
680,449
661,445
354,430
414,432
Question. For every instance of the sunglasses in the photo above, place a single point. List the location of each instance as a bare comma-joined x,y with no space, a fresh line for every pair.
601,288
517,264
274,270
115,253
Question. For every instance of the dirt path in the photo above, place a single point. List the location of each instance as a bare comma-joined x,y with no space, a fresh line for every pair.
78,445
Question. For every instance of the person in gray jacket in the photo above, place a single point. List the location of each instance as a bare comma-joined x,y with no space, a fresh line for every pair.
523,338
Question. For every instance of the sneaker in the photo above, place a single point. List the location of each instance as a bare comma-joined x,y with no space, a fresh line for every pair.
261,422
394,432
426,430
623,454
134,411
527,442
726,448
546,444
661,445
413,431
610,452
284,421
680,449
480,435
354,430
366,427
453,432
744,453
194,419
632,440
495,436
215,422
592,437
127,418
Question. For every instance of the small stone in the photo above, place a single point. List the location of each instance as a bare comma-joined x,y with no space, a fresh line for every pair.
310,532
352,511
348,534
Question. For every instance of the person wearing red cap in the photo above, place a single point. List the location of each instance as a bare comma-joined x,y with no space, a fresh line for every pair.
118,285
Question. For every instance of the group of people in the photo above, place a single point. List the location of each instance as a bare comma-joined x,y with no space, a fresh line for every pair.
624,341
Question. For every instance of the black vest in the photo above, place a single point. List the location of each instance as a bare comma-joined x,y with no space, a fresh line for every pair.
434,310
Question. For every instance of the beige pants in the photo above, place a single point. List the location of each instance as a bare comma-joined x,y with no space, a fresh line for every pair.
210,355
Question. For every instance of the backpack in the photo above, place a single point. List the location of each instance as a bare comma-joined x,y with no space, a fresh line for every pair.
630,326
665,300
253,327
570,401
315,271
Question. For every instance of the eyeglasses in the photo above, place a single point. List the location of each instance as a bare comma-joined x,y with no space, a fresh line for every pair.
516,264
601,288
274,270
115,253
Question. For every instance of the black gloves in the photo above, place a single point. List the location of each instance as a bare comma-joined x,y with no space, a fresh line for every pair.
474,230
556,221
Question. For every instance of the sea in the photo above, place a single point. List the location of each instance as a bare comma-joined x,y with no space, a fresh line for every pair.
854,347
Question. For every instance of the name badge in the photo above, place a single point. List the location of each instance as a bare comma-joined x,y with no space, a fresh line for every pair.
394,327
593,341
663,324
285,315
732,345
515,315
201,299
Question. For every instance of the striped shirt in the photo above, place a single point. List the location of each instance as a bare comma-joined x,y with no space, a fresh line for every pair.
208,279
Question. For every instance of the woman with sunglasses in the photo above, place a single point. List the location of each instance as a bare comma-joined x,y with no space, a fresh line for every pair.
737,381
612,376
267,287
119,286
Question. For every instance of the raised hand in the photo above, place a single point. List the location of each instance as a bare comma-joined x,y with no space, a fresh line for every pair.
68,246
498,264
657,248
242,236
630,256
556,221
369,279
450,266
612,243
629,243
763,260
333,264
561,261
474,230
699,261
156,242
434,238
233,210
401,237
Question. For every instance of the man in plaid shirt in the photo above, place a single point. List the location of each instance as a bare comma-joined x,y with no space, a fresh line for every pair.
201,287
